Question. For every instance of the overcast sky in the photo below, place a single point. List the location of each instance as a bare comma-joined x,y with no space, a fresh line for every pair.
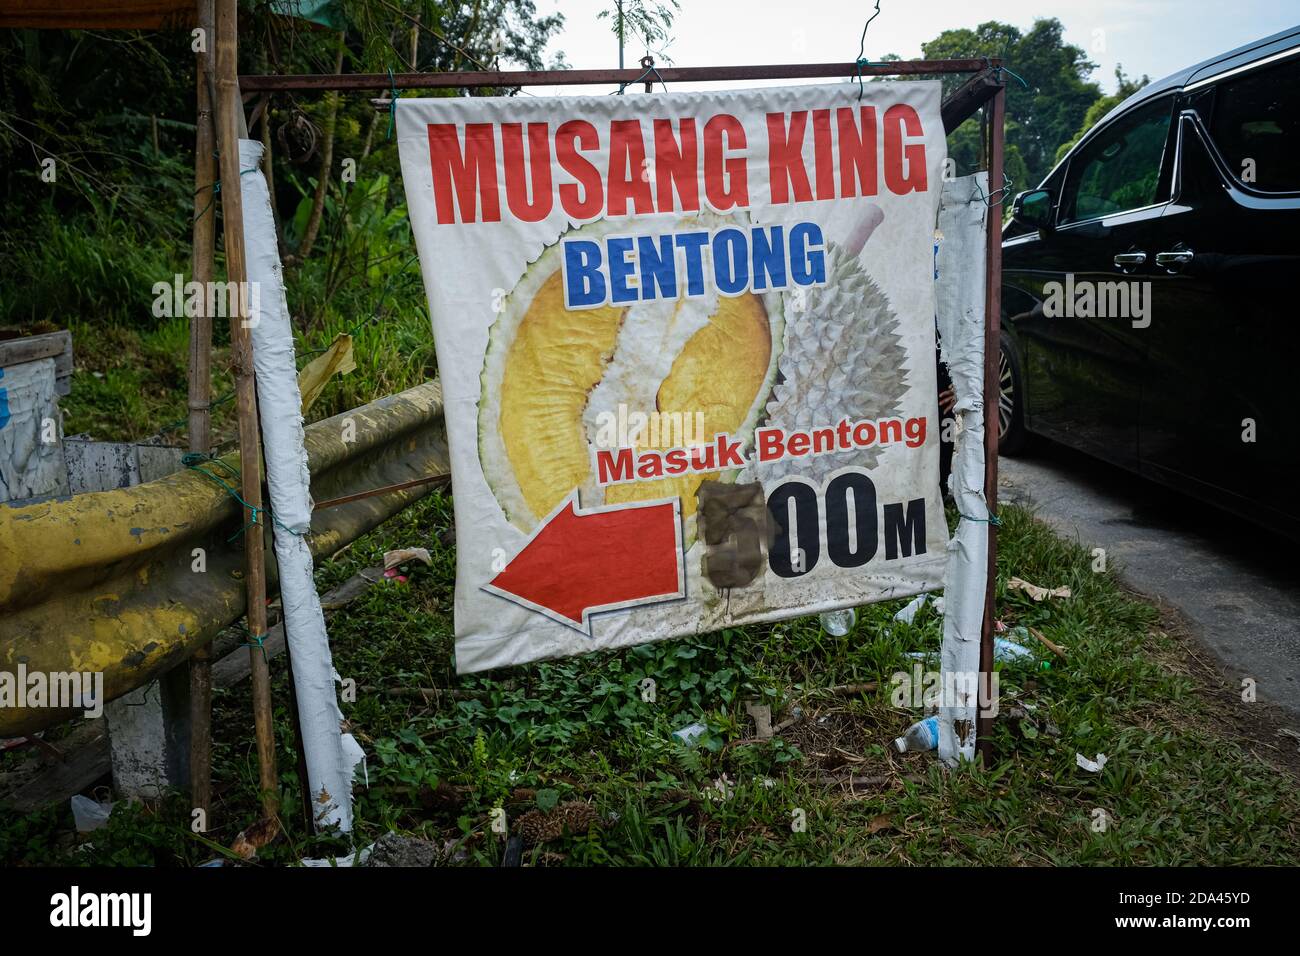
1155,37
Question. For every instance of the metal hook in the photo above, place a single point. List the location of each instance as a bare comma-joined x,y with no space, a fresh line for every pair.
1000,192
647,64
862,49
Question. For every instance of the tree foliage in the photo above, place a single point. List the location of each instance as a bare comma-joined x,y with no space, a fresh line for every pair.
1043,111
115,113
1126,87
646,20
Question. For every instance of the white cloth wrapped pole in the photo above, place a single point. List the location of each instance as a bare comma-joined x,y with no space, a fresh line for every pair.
331,755
963,224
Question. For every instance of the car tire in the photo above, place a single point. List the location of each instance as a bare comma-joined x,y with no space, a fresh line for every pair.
1013,439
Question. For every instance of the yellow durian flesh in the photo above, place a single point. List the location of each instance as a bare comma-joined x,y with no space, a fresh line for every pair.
554,362
718,373
546,365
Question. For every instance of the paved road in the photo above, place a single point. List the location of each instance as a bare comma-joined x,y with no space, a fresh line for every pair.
1238,585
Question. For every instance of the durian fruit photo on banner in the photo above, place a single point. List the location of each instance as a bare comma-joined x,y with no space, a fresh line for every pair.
687,348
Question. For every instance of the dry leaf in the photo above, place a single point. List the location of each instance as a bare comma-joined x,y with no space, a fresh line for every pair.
254,838
315,375
393,558
882,822
1036,592
762,715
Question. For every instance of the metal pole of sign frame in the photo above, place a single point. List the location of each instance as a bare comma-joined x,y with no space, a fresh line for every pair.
985,89
509,79
996,114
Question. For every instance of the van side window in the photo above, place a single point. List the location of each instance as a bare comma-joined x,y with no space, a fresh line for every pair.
1119,169
1257,126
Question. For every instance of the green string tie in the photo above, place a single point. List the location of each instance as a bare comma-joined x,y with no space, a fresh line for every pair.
862,50
252,521
1001,193
392,103
857,72
216,188
194,460
991,519
172,426
258,641
1003,69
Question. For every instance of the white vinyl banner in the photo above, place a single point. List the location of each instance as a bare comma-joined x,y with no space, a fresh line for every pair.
687,347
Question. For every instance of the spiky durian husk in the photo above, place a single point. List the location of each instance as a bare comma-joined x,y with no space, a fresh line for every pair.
842,358
572,817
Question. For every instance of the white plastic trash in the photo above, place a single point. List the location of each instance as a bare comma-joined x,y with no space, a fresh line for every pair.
89,814
689,735
838,623
908,613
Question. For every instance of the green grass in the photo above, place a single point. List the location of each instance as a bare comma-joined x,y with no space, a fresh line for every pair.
132,382
1180,786
94,273
1176,789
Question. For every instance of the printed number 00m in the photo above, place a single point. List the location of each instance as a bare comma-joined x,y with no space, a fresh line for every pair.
852,526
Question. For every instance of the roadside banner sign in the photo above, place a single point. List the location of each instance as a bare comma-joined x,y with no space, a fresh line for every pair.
687,348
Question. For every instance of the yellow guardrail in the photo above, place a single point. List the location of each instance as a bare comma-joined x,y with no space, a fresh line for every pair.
127,583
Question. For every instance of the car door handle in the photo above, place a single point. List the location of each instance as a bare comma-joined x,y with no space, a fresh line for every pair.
1176,258
1130,260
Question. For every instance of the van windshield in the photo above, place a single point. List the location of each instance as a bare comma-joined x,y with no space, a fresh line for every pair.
1120,168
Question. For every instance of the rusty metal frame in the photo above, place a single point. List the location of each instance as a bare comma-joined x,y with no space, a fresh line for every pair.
992,417
510,79
984,90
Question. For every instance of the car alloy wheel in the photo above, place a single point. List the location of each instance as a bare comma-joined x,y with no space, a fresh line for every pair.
1006,394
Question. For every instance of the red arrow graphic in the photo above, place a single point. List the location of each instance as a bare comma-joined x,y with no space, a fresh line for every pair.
579,562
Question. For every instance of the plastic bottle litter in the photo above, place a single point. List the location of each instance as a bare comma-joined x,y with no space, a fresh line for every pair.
839,623
1004,650
922,735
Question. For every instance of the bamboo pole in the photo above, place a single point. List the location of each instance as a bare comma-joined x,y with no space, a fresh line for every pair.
229,120
268,170
328,131
200,389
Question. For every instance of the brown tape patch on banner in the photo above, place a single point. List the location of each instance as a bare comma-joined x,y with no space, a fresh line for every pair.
734,526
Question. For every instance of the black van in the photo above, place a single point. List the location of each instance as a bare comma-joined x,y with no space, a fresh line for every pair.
1150,310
